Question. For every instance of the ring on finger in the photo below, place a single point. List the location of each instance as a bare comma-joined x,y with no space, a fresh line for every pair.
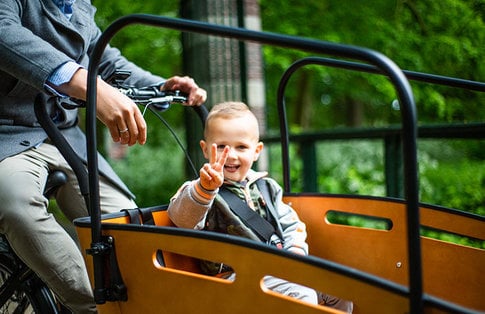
123,131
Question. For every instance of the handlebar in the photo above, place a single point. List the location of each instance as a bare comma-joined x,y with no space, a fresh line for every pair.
150,96
154,97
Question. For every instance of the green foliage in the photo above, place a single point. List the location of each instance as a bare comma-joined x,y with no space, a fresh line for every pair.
341,170
155,49
155,171
152,48
445,37
341,218
448,176
152,173
454,238
360,173
451,179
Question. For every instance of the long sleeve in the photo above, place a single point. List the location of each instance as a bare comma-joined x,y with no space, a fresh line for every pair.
24,54
293,229
37,39
189,206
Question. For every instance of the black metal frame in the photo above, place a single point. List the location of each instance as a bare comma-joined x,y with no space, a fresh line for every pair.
348,65
377,61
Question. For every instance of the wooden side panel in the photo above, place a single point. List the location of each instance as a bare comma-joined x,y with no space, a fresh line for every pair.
450,271
153,288
379,252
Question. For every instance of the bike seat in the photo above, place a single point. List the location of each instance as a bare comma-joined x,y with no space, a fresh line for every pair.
55,179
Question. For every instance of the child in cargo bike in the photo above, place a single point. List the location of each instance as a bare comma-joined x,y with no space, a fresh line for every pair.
230,197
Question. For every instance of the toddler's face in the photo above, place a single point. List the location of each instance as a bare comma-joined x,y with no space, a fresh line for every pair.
241,135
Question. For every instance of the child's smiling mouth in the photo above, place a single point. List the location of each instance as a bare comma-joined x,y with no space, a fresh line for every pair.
231,168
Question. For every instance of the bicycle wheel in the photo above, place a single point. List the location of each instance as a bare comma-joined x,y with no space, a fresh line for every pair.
30,294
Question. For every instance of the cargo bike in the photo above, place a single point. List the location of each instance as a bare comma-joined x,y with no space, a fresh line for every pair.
139,262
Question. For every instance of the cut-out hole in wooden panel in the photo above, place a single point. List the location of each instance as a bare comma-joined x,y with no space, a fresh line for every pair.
169,260
452,237
357,220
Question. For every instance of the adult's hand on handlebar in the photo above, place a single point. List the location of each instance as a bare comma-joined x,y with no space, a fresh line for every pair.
121,115
196,95
118,112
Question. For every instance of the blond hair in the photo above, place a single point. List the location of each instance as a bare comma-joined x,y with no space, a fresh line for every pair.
228,110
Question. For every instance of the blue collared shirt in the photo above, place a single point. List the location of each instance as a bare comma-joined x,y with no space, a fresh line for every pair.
65,6
65,72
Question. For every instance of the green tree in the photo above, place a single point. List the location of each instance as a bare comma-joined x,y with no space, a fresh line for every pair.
152,48
444,37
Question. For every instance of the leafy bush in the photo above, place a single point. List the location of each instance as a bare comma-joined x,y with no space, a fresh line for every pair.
152,173
451,173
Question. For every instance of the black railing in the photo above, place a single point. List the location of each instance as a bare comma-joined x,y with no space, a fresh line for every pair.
391,141
395,150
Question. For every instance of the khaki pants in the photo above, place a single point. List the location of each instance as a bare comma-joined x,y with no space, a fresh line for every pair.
34,234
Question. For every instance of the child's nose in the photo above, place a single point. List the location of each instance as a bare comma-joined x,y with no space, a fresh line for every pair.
232,153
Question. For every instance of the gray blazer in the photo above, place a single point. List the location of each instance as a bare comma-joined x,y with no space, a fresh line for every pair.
35,39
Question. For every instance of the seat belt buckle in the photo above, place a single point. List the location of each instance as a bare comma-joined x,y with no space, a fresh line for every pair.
276,241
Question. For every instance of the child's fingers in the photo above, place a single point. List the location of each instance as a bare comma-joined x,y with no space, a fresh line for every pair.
218,162
223,156
205,177
203,174
216,177
213,156
210,178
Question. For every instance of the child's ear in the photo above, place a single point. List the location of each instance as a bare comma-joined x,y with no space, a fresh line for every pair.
203,147
259,148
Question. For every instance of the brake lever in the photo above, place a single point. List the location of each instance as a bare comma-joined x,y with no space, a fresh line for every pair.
162,103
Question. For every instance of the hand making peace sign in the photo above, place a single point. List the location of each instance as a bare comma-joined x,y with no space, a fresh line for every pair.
212,173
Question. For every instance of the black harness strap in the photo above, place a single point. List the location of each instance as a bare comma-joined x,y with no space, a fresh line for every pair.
250,218
264,189
145,213
134,215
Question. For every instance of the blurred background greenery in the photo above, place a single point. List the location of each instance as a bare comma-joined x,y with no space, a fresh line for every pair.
441,37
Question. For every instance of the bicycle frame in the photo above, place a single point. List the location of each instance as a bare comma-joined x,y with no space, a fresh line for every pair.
23,286
22,274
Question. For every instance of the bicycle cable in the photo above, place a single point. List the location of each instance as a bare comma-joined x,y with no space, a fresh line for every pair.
174,134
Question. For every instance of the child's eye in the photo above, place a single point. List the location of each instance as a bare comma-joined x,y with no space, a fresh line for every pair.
220,147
